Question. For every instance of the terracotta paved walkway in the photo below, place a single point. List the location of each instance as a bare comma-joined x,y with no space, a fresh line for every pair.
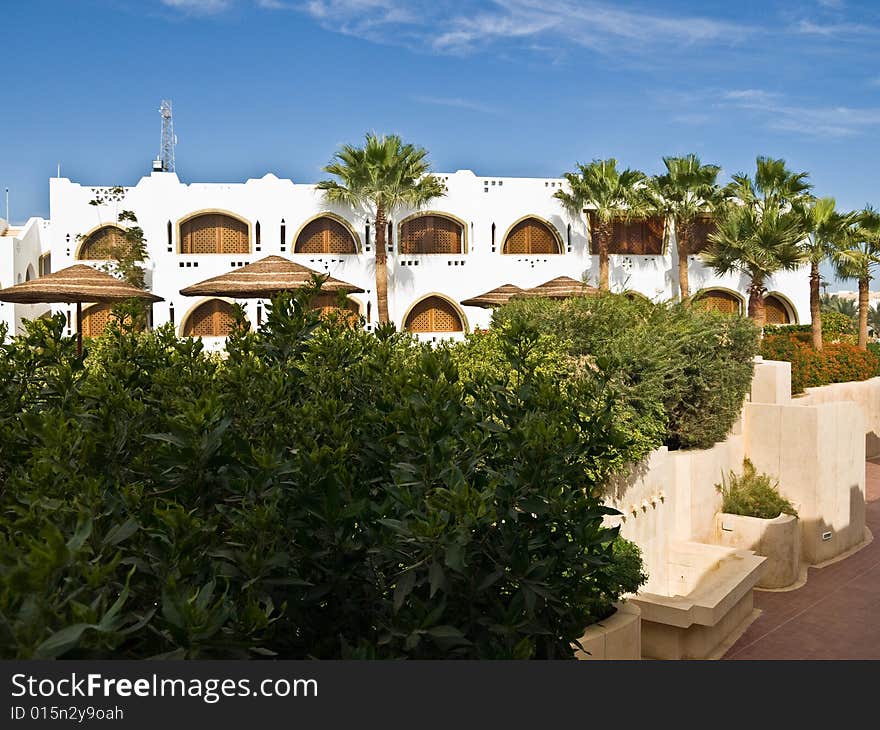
836,615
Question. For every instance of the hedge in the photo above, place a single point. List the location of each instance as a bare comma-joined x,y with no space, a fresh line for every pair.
685,372
320,492
836,362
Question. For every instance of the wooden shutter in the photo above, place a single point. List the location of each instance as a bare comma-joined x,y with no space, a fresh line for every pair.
104,244
701,229
719,301
427,234
775,311
434,314
95,319
214,233
213,318
639,237
530,236
325,235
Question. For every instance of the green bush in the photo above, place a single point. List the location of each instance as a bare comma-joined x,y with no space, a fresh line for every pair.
753,495
684,372
836,327
837,362
320,492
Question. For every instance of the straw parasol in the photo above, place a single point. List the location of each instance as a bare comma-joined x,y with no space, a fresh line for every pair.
264,278
79,283
494,298
562,287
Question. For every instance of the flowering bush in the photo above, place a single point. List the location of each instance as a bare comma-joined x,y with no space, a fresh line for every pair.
838,362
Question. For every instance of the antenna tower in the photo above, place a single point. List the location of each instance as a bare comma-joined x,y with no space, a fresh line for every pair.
166,147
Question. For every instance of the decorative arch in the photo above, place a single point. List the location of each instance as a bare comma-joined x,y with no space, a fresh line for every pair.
435,313
103,243
532,235
432,232
326,233
95,319
721,300
328,304
779,309
209,318
213,231
30,273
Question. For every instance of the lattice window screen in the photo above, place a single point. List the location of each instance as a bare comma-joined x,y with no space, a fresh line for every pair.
719,301
434,314
105,243
530,236
95,319
775,311
430,234
325,235
700,231
213,318
637,237
214,233
328,302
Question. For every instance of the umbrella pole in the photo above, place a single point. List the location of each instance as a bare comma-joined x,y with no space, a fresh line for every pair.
79,332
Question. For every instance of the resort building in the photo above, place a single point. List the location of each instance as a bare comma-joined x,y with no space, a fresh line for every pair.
485,232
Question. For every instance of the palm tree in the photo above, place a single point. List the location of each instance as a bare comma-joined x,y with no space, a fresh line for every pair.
611,194
686,192
378,178
846,307
757,244
857,259
758,230
826,230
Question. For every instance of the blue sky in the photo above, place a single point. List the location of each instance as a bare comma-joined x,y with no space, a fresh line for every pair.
510,87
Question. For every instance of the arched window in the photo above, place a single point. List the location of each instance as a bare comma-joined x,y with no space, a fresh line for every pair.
719,300
30,273
213,318
531,236
434,314
328,303
214,233
108,242
95,319
431,234
776,311
325,235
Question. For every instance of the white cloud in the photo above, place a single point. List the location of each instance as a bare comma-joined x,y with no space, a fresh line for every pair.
450,27
198,7
808,27
456,103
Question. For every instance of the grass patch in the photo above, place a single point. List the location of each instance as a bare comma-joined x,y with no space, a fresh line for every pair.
753,495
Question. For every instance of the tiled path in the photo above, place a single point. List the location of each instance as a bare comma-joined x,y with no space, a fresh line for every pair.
836,615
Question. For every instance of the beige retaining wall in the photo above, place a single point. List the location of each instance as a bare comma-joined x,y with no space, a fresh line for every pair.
865,394
814,447
778,540
617,637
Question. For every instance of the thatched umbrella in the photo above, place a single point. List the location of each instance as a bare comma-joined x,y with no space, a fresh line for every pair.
562,287
79,283
262,279
494,298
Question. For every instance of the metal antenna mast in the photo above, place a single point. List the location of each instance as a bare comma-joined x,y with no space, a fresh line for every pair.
166,148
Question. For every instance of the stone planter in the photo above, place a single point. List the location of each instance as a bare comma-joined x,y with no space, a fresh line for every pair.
778,540
617,637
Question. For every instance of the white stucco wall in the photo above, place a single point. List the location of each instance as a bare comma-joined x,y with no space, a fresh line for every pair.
20,249
478,201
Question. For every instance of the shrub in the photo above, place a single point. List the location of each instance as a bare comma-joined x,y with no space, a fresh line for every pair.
837,362
320,492
753,495
685,372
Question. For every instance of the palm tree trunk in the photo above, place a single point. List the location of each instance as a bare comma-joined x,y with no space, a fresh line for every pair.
682,243
381,265
757,310
863,312
815,308
603,234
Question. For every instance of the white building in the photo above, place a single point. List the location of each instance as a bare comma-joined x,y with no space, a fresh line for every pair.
483,233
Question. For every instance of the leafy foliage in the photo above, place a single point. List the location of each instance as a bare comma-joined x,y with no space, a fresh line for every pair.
684,372
320,492
753,495
838,362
